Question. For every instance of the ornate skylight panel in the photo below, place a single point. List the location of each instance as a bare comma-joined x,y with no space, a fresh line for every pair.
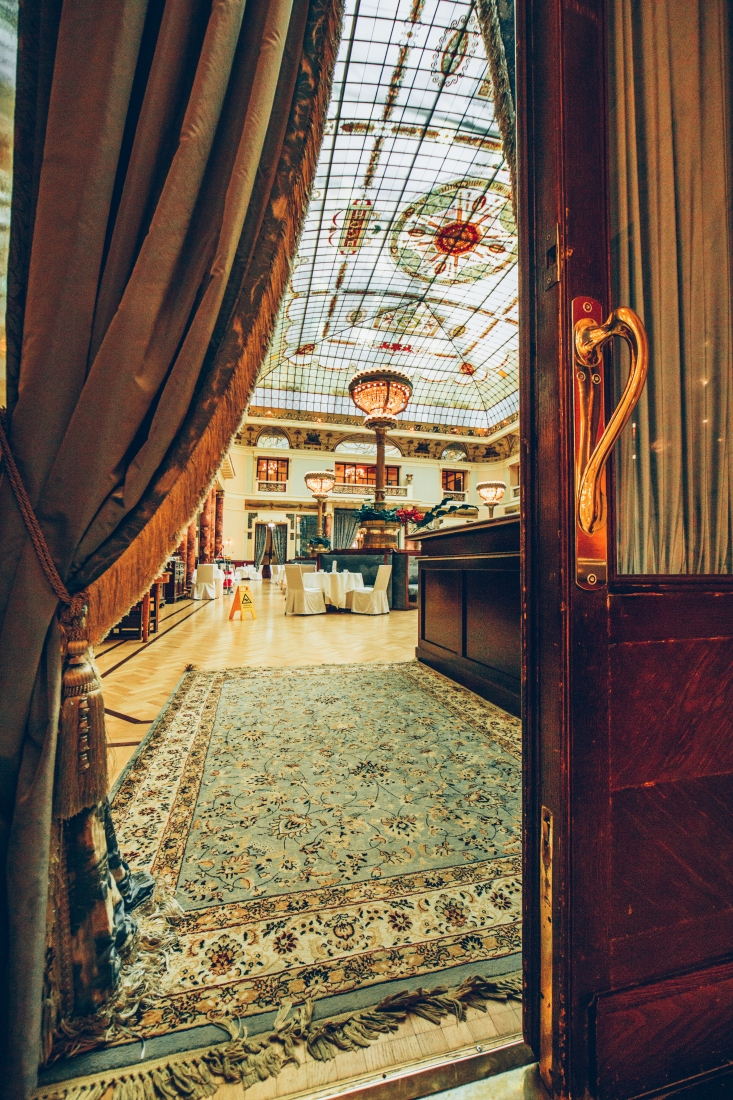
408,255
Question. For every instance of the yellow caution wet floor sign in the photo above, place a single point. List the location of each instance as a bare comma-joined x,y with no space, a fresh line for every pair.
243,602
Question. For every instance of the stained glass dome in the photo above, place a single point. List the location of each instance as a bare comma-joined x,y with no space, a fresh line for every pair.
408,255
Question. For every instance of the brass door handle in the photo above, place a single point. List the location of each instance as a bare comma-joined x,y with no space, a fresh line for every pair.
590,339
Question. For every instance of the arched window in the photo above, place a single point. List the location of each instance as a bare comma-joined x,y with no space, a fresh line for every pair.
454,452
273,437
356,446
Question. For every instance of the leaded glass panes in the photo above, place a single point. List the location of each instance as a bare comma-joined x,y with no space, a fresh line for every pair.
408,255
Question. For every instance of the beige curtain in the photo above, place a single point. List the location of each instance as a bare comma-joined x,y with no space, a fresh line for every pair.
164,153
671,153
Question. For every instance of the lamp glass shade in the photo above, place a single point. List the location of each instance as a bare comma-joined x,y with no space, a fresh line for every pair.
380,393
491,492
320,482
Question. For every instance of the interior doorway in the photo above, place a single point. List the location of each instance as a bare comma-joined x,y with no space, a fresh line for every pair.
348,820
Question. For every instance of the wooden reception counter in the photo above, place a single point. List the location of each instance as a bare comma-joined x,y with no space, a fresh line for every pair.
470,611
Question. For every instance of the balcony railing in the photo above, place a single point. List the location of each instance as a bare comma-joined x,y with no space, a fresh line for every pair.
454,494
272,486
351,489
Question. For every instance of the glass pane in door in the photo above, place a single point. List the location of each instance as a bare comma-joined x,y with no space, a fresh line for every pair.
671,183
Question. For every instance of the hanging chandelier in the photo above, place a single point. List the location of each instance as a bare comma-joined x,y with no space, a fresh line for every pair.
491,492
381,394
320,482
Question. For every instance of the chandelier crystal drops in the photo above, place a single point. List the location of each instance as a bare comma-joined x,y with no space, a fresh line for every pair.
491,492
320,482
381,394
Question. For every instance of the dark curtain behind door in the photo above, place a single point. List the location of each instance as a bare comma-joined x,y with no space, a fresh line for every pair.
671,136
280,542
260,543
164,153
308,528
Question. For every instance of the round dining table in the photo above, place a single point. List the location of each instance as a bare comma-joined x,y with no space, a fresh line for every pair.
334,585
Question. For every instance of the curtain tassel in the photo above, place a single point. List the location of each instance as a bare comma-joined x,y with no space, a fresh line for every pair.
81,775
81,765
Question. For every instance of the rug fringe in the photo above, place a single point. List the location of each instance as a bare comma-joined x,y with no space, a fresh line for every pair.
198,1074
143,975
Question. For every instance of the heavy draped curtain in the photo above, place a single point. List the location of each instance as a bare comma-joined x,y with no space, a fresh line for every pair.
671,135
164,152
308,528
345,527
260,543
280,542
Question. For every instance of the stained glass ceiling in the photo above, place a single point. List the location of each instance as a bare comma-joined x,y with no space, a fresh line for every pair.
408,254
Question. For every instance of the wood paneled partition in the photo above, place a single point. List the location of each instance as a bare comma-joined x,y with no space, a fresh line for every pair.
469,602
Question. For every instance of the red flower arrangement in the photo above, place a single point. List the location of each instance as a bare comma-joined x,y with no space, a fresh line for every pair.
409,515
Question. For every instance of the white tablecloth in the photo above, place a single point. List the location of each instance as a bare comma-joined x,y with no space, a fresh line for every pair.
334,585
246,573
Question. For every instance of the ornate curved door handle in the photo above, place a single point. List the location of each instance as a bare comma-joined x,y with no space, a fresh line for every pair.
594,441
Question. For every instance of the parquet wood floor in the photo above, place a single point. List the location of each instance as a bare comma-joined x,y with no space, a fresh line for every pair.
138,680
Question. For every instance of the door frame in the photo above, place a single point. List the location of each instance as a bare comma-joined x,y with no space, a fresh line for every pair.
569,634
565,628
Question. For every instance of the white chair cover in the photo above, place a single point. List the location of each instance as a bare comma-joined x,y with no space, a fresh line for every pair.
371,601
301,601
209,582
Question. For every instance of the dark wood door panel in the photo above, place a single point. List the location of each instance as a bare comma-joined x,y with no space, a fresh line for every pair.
672,855
493,618
628,690
442,608
656,616
660,733
646,957
663,1032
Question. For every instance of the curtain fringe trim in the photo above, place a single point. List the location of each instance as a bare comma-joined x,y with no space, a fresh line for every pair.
125,582
198,1074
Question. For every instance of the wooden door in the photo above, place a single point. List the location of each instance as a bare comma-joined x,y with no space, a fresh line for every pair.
624,154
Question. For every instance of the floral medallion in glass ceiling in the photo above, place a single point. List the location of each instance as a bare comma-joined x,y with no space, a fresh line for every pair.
408,255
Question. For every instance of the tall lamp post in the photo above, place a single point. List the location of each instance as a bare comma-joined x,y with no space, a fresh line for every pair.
381,394
491,493
320,483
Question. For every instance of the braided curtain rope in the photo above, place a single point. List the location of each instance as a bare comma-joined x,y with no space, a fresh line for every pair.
74,603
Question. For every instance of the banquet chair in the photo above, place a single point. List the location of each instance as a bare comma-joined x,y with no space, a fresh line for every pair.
308,567
208,584
371,601
300,600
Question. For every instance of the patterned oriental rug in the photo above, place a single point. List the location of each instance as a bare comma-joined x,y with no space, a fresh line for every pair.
323,830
